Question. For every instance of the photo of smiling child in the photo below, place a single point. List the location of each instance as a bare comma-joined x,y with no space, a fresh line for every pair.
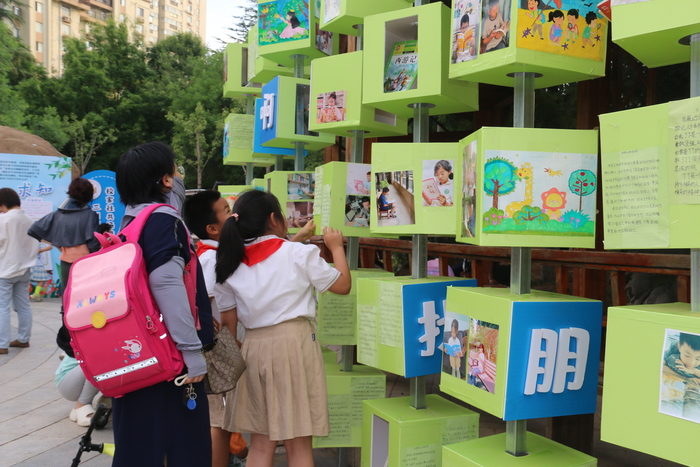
438,189
680,376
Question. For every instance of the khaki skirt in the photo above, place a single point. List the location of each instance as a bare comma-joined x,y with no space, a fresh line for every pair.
282,392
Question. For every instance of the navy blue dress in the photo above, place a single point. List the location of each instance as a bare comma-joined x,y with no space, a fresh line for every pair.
154,423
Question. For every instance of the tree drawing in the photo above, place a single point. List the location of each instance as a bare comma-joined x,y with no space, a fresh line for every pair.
582,182
500,176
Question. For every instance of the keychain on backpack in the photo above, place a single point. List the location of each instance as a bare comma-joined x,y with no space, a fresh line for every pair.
190,397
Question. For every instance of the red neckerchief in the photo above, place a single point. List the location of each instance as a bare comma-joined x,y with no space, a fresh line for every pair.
202,247
258,252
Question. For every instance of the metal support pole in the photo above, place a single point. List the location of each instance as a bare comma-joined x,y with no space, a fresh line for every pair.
521,258
360,44
279,161
695,252
248,173
299,147
418,392
249,110
516,430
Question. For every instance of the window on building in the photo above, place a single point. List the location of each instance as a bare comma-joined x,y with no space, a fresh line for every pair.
39,46
17,10
139,28
39,27
153,39
153,27
122,18
65,11
39,7
152,17
189,20
65,29
139,11
122,2
15,32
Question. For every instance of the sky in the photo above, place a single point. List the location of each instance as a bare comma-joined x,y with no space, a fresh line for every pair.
220,16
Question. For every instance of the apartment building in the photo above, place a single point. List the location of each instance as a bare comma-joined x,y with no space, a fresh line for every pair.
47,22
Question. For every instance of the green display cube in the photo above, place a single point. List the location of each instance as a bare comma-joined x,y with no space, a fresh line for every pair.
559,45
259,184
260,69
399,320
398,49
510,355
282,96
329,356
231,192
528,188
346,393
291,27
397,435
337,314
490,452
648,405
236,82
402,205
663,41
336,98
342,16
295,192
651,192
238,142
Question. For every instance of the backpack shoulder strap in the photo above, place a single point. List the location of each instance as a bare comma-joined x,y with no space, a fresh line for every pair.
132,232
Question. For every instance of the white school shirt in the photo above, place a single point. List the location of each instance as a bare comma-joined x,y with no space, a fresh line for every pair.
207,260
279,288
18,251
447,191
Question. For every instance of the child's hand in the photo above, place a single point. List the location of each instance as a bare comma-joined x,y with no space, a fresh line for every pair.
333,238
306,232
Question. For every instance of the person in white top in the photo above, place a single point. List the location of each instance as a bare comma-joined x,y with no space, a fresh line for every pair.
17,255
267,283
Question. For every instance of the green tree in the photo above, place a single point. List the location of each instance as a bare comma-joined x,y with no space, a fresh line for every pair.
87,135
500,176
582,183
7,11
192,133
244,21
48,125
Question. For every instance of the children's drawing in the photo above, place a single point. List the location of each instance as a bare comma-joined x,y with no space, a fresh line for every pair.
530,195
358,180
331,9
679,392
469,190
566,27
283,21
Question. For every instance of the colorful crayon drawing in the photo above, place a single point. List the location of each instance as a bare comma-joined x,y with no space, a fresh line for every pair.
527,200
282,21
566,27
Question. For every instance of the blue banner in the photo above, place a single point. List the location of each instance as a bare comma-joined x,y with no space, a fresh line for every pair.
106,201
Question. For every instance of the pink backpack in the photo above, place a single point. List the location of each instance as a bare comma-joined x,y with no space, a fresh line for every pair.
117,332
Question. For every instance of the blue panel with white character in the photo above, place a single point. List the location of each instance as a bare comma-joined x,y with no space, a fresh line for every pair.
424,316
553,359
258,132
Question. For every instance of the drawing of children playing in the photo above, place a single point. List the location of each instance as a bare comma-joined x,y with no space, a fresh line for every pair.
293,26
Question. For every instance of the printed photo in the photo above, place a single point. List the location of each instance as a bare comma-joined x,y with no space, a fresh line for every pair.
679,394
394,198
438,188
330,107
576,28
282,21
357,210
358,180
299,214
481,355
301,125
454,345
469,190
402,68
301,185
465,26
324,41
331,9
495,25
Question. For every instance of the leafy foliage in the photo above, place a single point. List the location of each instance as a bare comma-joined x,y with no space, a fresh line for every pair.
529,214
500,176
575,218
582,182
493,216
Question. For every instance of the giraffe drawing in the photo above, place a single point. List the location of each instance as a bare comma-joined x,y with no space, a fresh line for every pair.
525,172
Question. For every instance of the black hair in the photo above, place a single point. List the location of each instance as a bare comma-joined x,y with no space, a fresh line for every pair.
525,4
333,96
198,212
250,220
465,19
444,164
81,190
492,3
573,12
293,21
140,171
590,16
455,325
104,227
9,198
692,340
385,189
364,199
555,14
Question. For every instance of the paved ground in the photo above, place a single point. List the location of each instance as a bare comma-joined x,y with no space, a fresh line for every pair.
35,430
